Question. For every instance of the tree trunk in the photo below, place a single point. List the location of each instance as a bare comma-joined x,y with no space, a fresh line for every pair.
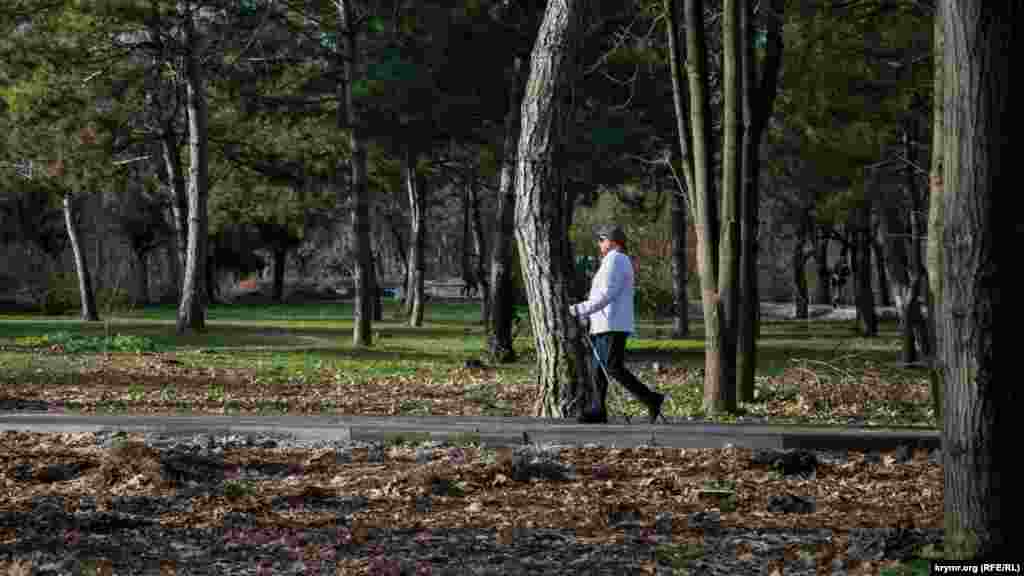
822,293
732,190
378,290
171,254
140,265
881,262
905,271
502,297
85,291
800,297
400,249
280,264
541,215
466,254
935,204
360,231
680,271
680,231
192,308
979,229
417,217
799,260
179,201
718,394
867,321
479,249
758,104
916,323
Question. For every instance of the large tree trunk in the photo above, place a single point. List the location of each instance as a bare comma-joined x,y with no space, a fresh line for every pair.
85,291
979,228
680,231
417,218
502,297
542,215
758,102
935,204
360,231
192,307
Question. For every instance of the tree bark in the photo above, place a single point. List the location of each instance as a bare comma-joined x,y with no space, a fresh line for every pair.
179,201
468,270
85,291
680,200
500,346
718,395
541,215
479,249
935,204
348,116
417,217
758,102
680,270
979,230
732,190
192,308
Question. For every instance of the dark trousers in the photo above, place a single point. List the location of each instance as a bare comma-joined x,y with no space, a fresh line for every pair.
611,347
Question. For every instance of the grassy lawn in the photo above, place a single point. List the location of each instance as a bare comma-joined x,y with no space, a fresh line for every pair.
299,358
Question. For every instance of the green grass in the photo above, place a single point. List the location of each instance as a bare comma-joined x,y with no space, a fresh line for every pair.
296,345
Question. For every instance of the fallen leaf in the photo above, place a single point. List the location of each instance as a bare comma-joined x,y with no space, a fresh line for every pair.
506,535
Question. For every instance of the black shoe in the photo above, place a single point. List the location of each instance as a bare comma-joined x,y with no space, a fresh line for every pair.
654,408
592,418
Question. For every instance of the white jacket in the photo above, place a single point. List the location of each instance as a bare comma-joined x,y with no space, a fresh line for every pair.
610,303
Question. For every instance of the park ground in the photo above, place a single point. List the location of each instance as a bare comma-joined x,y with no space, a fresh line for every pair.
298,359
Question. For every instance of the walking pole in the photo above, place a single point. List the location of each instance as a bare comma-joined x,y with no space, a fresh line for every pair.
604,368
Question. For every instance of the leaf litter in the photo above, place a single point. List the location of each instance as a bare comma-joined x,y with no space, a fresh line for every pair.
351,508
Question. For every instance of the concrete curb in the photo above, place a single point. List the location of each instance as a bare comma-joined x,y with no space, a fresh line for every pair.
490,430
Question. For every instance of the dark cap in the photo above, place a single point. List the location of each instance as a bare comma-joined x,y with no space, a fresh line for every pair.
612,232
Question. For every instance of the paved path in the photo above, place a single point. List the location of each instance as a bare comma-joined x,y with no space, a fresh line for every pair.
492,430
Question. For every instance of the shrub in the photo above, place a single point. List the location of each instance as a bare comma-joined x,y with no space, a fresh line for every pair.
61,295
